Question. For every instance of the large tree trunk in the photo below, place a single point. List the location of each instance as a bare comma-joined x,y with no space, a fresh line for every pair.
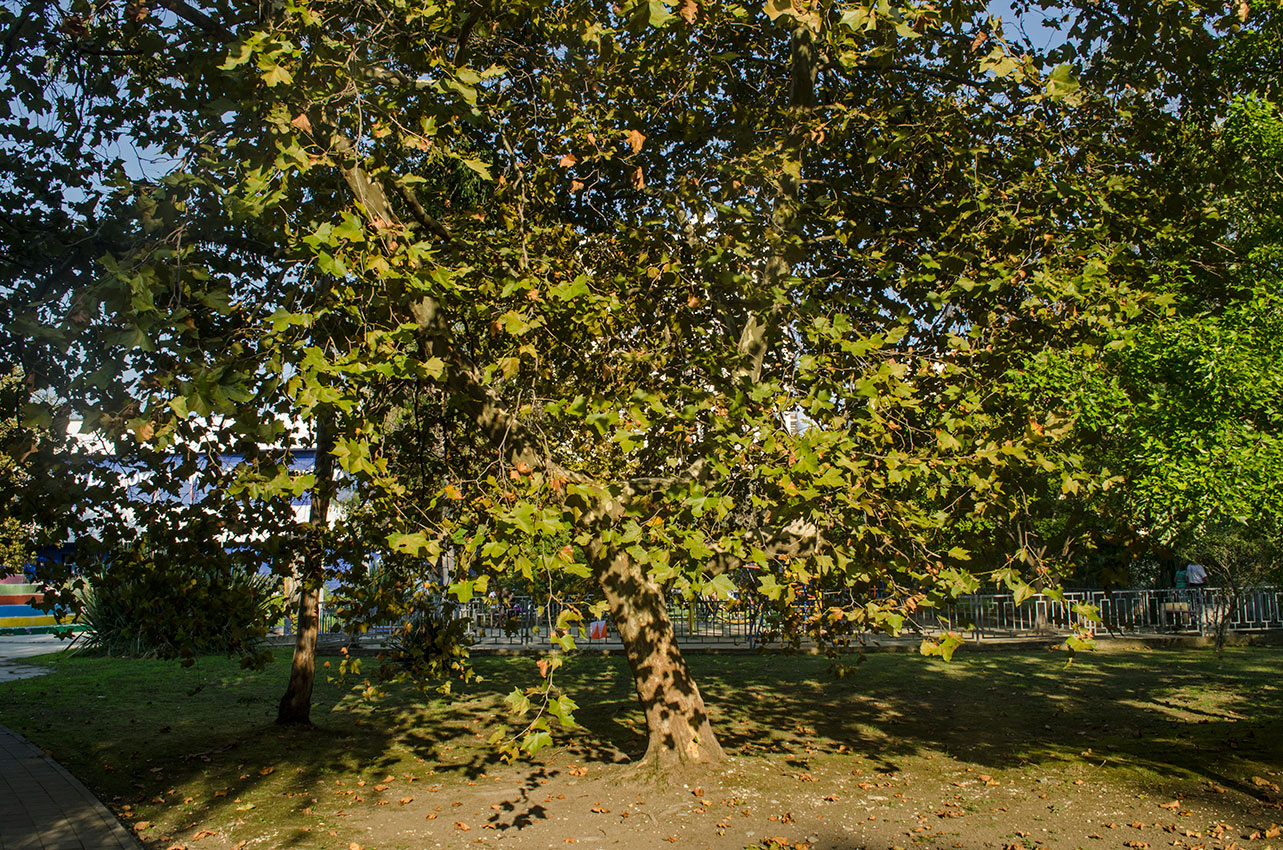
680,733
296,704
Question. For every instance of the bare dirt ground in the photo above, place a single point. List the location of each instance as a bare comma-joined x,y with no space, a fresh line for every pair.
818,801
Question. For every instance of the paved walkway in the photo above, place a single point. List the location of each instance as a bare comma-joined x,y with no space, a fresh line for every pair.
42,806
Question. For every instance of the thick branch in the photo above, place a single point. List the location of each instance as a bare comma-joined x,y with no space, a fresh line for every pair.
195,16
420,214
753,342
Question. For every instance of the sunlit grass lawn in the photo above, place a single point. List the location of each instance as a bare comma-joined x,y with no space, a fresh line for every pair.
175,744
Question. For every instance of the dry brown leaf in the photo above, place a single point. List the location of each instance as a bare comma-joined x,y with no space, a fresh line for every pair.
688,10
353,846
1173,805
461,826
568,161
576,186
142,825
204,833
380,787
430,816
635,140
405,801
302,122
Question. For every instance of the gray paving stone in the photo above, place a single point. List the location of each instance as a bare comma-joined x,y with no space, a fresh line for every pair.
46,808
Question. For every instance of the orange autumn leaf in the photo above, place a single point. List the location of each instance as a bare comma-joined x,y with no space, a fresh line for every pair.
635,140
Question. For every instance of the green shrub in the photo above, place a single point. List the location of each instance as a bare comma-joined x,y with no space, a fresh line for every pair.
142,608
431,642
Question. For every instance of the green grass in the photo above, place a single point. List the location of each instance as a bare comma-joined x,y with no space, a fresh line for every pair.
197,746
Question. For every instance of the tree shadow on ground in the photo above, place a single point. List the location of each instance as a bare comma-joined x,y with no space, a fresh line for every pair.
1171,713
151,728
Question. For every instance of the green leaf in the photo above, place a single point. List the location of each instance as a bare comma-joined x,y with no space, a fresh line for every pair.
276,75
944,647
479,167
536,741
720,586
518,703
462,590
769,588
1061,82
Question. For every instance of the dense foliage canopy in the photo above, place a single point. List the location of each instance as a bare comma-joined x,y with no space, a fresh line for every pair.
680,298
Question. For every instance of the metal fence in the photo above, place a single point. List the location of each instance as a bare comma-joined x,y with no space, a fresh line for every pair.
521,623
1172,611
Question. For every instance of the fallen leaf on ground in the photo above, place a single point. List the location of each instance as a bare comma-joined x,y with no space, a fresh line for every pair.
406,800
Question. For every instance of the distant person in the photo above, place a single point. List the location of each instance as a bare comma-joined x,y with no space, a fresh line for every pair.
1196,575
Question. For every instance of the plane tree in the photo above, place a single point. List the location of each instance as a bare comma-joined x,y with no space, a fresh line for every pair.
690,226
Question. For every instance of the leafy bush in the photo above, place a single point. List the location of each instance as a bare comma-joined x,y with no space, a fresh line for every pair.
139,607
431,642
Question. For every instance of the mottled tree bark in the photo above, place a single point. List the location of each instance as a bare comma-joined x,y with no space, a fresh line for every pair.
676,719
296,704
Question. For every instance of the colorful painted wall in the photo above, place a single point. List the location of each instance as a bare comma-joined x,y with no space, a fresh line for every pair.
18,611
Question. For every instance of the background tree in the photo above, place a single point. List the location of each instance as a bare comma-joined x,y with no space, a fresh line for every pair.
1185,407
